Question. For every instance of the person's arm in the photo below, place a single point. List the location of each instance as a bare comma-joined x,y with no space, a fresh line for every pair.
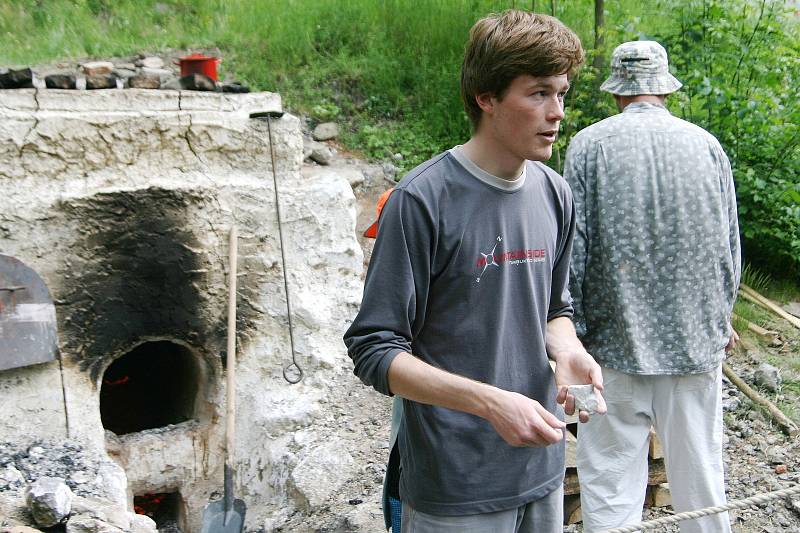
729,197
519,420
574,365
574,174
395,297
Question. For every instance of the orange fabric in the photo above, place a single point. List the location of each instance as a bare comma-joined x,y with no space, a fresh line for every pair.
372,231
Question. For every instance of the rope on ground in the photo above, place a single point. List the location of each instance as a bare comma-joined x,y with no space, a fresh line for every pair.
688,515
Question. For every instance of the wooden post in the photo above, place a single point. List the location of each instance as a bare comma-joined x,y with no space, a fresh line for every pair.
786,424
599,23
766,334
758,299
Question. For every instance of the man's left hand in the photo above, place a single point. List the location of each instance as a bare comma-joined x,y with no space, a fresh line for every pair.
578,368
574,365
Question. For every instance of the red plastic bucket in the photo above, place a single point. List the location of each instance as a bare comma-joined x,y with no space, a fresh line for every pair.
199,64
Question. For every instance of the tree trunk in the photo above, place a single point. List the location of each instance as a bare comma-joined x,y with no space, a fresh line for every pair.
599,23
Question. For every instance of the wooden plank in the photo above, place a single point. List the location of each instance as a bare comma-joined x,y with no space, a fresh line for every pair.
655,451
758,299
571,485
658,495
787,425
570,445
657,474
768,335
572,509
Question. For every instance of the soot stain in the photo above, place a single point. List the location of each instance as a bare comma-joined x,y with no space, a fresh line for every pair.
139,276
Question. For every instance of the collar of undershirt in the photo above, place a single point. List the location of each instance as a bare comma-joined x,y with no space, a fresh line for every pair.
489,179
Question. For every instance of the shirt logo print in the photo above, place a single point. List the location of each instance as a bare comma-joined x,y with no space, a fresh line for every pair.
488,259
511,258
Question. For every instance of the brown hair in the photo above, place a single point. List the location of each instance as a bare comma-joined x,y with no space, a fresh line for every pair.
510,44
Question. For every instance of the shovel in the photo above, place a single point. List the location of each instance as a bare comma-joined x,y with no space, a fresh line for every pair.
227,515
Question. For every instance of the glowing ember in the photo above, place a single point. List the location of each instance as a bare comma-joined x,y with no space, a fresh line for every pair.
148,504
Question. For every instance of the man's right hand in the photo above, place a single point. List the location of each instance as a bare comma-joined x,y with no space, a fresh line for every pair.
519,420
522,421
734,339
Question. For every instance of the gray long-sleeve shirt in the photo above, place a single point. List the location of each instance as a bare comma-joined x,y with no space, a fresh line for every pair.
655,264
466,271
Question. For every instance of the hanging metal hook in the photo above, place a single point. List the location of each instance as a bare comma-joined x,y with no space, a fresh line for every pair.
292,372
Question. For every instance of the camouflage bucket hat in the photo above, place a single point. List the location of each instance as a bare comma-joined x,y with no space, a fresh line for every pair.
640,67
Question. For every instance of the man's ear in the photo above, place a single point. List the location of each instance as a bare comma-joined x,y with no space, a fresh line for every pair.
486,101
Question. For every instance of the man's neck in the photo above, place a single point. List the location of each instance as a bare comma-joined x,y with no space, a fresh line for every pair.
625,101
494,159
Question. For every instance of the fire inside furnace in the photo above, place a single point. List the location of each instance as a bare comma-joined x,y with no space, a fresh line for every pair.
163,507
152,386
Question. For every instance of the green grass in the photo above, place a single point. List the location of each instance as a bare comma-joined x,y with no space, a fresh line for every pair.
750,312
792,385
387,69
778,288
754,278
785,289
789,362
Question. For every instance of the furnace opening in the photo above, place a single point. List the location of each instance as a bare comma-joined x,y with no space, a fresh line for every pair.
152,386
165,508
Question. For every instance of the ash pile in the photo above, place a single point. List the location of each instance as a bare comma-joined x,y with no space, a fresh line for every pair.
63,484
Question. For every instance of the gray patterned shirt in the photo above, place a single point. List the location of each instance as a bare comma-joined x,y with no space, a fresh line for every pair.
655,263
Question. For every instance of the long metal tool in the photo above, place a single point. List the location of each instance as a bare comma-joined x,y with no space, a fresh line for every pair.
292,376
227,515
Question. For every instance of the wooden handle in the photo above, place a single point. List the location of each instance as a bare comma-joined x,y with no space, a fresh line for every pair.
230,392
759,299
787,425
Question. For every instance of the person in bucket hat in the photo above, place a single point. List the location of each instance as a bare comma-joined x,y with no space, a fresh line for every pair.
640,67
654,273
466,301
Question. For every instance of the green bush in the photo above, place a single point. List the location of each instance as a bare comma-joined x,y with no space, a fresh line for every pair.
740,65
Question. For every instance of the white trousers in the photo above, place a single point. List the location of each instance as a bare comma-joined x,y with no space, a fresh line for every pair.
686,412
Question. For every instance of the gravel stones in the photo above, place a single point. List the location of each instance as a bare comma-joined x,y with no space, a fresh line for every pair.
767,376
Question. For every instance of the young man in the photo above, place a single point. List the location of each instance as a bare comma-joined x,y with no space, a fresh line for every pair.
655,271
466,297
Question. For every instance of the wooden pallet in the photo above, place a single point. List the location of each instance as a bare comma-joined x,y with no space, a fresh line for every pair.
657,490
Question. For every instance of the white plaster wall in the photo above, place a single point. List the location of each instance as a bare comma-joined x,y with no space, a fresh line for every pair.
66,152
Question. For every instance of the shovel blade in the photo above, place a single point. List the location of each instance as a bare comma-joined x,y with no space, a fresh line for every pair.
217,520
